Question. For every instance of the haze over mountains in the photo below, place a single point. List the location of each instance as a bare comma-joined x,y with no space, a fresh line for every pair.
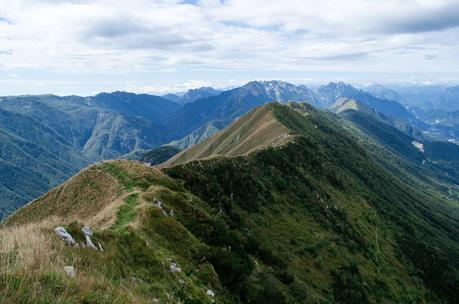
46,138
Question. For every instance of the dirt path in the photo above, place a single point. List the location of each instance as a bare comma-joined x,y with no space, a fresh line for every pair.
107,216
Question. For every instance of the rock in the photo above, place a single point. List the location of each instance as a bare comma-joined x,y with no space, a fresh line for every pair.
89,243
70,271
171,213
87,230
67,237
87,234
210,293
158,203
100,247
174,268
164,213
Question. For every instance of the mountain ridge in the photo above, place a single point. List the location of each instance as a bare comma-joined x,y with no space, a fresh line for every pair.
314,219
111,125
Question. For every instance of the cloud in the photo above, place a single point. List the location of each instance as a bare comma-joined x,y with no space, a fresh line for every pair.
6,20
340,57
167,88
131,35
425,20
119,37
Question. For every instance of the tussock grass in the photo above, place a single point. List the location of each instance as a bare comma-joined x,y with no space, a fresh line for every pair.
138,244
32,260
28,248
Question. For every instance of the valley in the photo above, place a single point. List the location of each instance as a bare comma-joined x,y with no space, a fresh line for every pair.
313,218
54,137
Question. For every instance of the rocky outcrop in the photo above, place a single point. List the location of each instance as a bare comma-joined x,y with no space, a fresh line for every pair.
87,234
67,237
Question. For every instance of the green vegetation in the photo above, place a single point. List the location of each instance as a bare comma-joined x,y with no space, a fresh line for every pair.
159,155
126,212
330,184
316,219
46,139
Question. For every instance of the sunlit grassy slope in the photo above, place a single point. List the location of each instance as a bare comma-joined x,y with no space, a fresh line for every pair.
314,219
256,130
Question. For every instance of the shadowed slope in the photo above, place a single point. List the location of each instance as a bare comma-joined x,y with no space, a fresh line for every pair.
316,219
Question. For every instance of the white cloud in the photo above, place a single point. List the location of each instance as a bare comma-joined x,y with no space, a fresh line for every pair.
117,36
161,89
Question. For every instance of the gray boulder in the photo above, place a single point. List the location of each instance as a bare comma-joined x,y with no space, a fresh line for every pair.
87,234
67,237
70,271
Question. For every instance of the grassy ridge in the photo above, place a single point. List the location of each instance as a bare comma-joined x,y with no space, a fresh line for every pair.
138,250
256,130
315,220
370,221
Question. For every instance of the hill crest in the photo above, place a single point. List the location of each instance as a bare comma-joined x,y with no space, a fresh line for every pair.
256,130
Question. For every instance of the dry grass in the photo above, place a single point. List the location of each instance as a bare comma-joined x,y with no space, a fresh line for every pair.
27,253
32,260
29,249
259,129
77,199
32,256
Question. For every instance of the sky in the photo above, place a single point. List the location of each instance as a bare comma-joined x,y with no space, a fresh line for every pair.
157,46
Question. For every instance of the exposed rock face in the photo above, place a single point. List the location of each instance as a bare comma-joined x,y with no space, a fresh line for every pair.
87,230
67,237
174,268
87,234
418,145
210,293
158,203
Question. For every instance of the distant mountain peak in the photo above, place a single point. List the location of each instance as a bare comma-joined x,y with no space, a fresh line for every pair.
344,104
281,91
339,86
198,93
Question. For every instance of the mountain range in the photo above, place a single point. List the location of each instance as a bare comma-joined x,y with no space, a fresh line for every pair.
47,138
287,204
192,95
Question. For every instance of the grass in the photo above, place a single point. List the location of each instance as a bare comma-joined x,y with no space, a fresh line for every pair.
313,221
126,212
256,130
31,264
32,257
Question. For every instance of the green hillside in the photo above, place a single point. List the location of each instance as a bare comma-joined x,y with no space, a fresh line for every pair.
314,220
46,139
435,163
159,155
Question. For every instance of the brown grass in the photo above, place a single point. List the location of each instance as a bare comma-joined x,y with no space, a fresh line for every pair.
32,249
259,129
30,252
79,198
